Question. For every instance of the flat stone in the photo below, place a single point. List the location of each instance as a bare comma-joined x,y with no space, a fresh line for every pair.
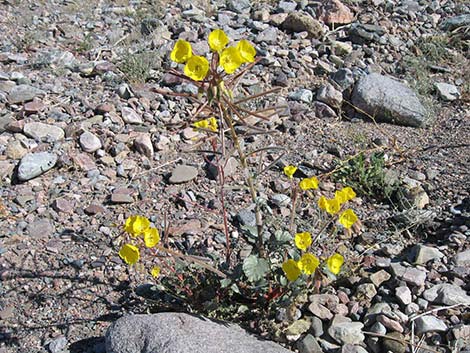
130,116
379,277
425,254
63,205
343,331
24,93
89,142
183,174
455,22
35,164
84,161
389,100
462,258
122,196
429,323
408,274
375,310
446,91
33,107
321,305
94,209
366,291
5,120
181,333
143,145
302,95
447,294
43,132
303,22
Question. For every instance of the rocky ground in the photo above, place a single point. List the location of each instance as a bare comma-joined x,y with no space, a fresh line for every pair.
85,142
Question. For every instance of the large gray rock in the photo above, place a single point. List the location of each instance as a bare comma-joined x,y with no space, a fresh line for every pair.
429,323
389,100
447,294
344,331
43,132
35,164
181,333
23,93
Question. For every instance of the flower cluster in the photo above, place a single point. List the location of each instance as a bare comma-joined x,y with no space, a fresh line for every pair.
334,205
308,263
139,227
229,58
207,124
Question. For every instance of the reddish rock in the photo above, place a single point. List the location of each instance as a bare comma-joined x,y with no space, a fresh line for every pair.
33,107
104,108
335,12
84,161
94,209
63,205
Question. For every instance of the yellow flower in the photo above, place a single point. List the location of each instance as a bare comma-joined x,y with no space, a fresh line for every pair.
334,263
291,270
217,40
247,51
322,203
136,225
333,206
209,124
230,60
290,171
345,194
155,272
308,263
303,240
129,253
349,192
151,237
196,68
309,183
181,52
348,218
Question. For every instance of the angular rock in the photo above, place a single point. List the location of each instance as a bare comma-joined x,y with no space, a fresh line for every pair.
462,258
351,348
239,6
390,323
183,174
302,95
303,22
42,227
181,333
429,323
89,142
379,277
298,327
143,145
403,295
396,345
309,344
335,12
425,254
408,274
15,150
43,132
388,100
447,91
35,164
344,331
366,291
23,93
269,36
447,294
130,116
330,95
322,304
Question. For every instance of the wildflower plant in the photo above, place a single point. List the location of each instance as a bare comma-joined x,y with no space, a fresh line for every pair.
289,258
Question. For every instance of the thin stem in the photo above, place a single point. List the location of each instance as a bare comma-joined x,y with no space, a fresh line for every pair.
249,181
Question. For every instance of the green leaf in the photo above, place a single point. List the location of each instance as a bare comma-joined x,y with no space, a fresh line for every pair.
255,268
282,236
